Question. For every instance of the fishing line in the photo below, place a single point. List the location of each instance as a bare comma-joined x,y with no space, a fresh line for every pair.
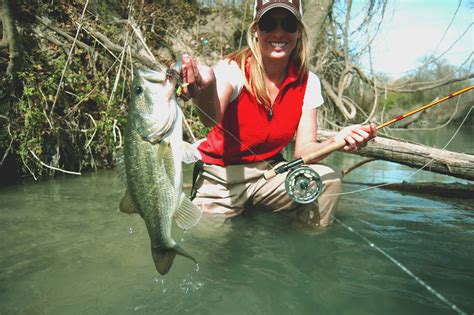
437,127
415,172
430,289
370,243
402,267
232,135
379,127
448,27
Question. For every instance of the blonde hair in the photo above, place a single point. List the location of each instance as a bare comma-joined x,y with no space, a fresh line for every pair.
252,56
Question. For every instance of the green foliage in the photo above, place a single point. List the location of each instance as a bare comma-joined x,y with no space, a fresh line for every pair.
70,128
408,92
432,72
76,125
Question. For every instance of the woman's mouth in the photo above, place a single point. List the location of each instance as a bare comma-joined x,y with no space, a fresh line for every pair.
278,44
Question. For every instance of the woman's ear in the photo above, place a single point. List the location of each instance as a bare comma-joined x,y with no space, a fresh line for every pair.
255,33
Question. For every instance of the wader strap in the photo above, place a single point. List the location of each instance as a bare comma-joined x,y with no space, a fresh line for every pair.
198,167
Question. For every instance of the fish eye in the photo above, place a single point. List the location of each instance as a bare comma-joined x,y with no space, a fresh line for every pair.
138,90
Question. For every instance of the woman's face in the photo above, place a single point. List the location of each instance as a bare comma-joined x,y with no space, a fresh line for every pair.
277,33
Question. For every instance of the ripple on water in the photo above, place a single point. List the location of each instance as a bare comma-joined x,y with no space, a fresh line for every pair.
66,247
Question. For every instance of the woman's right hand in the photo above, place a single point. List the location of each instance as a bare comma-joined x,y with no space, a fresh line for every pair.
356,136
199,83
196,78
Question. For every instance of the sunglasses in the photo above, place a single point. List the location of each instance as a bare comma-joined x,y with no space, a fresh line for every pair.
268,23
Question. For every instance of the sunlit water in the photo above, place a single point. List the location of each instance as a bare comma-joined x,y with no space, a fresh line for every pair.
66,249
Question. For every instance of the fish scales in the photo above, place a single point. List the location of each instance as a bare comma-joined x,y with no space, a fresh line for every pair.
153,151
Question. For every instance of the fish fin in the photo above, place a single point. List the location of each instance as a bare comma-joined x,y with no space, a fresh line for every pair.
163,257
188,214
126,205
190,152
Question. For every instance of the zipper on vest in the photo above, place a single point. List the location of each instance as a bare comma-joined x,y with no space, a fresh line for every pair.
270,108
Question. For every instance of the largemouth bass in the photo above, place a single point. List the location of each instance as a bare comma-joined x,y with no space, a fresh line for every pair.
153,152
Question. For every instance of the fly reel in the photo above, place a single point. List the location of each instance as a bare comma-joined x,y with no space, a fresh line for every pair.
303,184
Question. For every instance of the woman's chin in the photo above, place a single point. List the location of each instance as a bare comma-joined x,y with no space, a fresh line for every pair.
279,54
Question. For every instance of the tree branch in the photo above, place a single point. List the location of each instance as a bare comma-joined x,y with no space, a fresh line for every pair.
102,40
415,90
416,155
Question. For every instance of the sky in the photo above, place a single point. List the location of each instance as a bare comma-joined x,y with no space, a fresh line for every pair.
413,29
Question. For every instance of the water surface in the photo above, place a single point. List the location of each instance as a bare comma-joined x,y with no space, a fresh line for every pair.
66,249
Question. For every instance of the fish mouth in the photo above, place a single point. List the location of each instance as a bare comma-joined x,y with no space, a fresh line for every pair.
152,76
155,125
157,135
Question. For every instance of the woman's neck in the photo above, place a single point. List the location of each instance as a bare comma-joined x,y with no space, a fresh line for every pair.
275,70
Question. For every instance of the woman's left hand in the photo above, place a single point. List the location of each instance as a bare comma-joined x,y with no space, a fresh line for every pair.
356,136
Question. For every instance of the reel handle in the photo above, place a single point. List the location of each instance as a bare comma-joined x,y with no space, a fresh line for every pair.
336,145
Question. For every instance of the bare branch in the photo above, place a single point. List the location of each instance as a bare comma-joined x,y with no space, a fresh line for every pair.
9,146
50,167
420,89
47,23
340,103
103,40
69,57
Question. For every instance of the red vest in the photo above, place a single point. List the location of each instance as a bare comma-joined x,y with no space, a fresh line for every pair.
247,134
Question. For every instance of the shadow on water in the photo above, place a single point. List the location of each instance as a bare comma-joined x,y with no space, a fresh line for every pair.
66,249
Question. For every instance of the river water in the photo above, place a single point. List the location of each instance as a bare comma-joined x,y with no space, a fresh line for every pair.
66,249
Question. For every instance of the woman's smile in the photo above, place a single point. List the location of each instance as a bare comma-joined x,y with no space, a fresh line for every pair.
276,43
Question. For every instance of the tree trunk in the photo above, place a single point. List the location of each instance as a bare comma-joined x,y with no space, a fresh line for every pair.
455,164
315,14
10,39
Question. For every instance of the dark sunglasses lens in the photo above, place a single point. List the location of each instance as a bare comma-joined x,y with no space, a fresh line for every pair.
267,24
290,24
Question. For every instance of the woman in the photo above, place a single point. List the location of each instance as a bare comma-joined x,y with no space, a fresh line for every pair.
257,99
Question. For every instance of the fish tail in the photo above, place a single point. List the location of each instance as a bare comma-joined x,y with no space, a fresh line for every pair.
164,256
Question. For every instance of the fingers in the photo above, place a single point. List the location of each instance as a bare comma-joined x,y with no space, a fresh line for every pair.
373,130
357,136
192,80
351,144
360,135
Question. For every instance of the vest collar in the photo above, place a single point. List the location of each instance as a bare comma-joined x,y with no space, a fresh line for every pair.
291,76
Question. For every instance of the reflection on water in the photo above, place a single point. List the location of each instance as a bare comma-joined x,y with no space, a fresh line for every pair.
66,249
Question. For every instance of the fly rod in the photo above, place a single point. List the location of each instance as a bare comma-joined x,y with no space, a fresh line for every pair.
341,143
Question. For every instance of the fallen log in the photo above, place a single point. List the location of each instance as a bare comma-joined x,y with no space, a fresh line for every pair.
451,190
415,155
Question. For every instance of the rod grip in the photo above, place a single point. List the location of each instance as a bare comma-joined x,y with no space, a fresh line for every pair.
269,174
305,159
336,145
